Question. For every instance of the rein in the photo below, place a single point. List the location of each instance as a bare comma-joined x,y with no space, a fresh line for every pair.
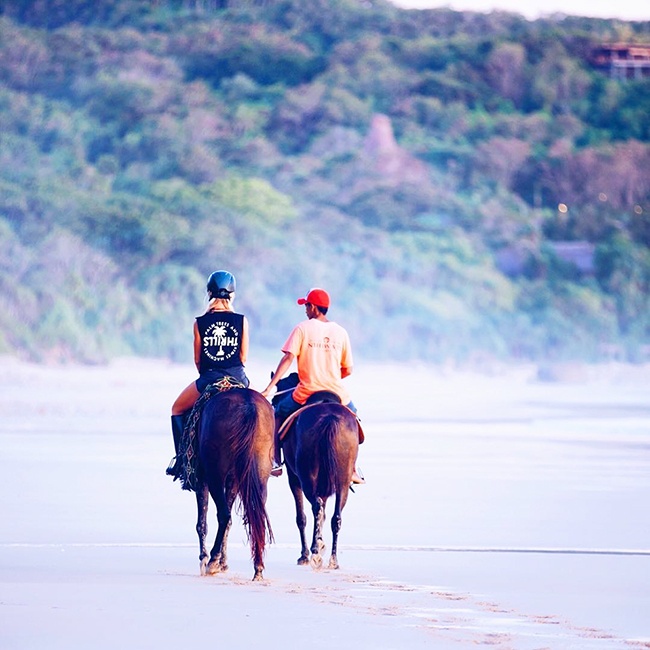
282,392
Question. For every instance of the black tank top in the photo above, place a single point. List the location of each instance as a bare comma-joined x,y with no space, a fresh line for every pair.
221,336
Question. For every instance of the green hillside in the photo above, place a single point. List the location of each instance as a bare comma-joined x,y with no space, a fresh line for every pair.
465,185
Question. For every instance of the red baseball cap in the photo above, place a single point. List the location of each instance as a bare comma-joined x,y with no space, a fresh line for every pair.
318,297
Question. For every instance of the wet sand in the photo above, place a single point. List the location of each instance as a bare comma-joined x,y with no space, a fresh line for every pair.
500,510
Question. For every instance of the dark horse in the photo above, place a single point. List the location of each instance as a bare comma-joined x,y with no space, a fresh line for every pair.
320,450
235,450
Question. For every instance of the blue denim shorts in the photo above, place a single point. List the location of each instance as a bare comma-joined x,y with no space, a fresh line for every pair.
211,376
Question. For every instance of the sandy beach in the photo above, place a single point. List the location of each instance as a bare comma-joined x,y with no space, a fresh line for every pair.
500,510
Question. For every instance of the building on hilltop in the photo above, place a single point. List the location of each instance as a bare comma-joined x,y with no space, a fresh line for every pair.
622,60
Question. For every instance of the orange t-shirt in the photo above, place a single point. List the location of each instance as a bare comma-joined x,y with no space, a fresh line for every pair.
322,348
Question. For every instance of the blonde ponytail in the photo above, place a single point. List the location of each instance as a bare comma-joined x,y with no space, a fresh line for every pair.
220,304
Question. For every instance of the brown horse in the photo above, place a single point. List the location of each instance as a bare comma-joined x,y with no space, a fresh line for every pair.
320,451
235,450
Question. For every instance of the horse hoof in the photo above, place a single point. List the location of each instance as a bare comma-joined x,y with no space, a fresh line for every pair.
258,577
213,568
204,566
316,562
303,560
333,564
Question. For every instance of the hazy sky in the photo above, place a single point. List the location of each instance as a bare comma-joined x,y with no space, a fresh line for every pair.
625,9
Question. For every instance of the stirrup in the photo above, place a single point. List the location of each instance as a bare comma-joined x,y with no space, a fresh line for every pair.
276,470
173,467
357,477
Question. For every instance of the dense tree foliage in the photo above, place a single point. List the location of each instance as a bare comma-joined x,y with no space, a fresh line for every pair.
466,185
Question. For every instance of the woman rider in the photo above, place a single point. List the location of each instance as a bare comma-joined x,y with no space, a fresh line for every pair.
220,350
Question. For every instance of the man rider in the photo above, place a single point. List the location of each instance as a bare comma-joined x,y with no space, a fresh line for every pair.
323,354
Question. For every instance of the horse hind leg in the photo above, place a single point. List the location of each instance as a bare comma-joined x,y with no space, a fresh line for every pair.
202,525
258,575
258,562
223,557
218,562
336,527
218,555
301,519
317,545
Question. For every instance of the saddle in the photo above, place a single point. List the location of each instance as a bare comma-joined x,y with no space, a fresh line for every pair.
288,384
323,396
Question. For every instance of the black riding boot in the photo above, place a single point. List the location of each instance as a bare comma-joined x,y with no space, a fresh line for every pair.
178,424
277,458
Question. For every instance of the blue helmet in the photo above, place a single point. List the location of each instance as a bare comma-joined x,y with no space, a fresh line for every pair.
221,284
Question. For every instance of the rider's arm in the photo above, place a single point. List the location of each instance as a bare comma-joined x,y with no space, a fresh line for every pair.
197,345
346,358
243,350
283,366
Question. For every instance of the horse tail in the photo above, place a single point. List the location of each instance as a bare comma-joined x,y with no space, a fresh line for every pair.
327,476
248,484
